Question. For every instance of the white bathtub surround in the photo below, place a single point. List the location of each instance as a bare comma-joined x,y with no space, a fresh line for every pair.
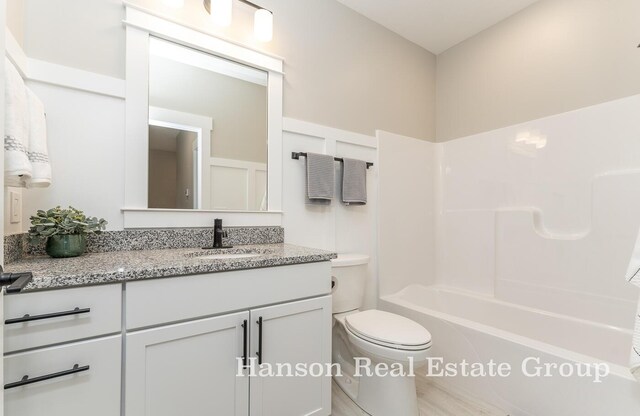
523,233
558,221
633,277
546,224
407,217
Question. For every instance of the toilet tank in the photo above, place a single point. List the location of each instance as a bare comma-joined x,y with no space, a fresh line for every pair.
348,275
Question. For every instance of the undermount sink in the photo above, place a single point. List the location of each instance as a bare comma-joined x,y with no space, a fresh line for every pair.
223,256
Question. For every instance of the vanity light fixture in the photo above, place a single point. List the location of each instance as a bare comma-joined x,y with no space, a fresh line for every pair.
263,25
221,11
221,14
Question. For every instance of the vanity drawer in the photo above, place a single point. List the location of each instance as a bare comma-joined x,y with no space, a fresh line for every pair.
150,303
61,316
93,388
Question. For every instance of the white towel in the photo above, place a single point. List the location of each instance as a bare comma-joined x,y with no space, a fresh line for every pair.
17,168
633,276
38,152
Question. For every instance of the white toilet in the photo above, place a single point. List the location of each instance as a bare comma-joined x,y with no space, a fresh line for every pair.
379,336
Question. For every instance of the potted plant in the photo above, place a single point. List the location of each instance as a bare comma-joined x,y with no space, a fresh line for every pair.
64,230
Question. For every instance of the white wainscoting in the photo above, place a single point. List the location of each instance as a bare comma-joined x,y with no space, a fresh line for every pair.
50,73
237,184
345,229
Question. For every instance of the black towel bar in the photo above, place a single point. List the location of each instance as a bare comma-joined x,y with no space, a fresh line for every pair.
297,155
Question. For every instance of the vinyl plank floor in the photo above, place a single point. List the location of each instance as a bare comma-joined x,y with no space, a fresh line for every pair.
433,400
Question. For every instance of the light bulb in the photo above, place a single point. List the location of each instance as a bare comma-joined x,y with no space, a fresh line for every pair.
263,25
176,4
221,12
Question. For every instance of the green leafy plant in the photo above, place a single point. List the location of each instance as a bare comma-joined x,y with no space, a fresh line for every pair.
59,221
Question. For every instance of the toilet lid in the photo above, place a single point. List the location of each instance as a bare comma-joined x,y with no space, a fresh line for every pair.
388,329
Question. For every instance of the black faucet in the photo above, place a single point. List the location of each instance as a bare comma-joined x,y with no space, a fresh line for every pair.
218,234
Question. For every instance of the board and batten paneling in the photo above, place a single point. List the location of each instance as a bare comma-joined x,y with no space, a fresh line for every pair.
238,185
337,227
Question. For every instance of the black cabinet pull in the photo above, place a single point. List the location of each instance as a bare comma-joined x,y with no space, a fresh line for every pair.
259,353
244,344
26,380
29,318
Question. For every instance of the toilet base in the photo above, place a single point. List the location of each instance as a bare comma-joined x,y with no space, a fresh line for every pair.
365,393
401,389
376,395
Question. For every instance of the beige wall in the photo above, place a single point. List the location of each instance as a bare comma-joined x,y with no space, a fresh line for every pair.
15,19
184,170
171,173
162,179
342,70
345,71
555,56
238,108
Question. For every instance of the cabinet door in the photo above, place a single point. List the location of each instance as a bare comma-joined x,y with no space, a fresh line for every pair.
83,379
187,369
297,333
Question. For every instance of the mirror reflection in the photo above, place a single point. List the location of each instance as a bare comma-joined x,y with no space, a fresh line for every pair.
207,131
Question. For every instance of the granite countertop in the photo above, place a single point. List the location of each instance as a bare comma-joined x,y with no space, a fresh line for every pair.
124,266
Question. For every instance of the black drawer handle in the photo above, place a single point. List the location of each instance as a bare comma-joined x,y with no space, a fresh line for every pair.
244,344
26,380
259,352
29,318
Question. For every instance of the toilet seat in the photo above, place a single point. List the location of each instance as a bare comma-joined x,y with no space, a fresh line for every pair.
388,330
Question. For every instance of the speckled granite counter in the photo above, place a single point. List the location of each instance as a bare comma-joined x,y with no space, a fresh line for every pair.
122,266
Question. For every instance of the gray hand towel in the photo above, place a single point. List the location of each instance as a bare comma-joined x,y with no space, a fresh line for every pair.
320,178
354,182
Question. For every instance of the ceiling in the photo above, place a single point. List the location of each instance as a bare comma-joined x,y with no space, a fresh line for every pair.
437,25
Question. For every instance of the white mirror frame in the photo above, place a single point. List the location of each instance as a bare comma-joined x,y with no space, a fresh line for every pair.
140,25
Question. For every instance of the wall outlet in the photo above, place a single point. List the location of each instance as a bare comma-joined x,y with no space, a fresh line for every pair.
15,207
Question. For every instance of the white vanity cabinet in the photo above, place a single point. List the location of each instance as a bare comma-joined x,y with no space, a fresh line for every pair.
196,368
292,333
188,369
186,345
84,380
63,352
189,364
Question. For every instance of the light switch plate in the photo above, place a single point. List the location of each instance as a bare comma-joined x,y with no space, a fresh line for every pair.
15,213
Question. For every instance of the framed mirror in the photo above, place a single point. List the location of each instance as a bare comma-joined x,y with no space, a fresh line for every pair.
207,131
203,127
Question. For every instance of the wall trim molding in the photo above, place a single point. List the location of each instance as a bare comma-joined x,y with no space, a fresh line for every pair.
15,53
312,129
169,29
36,70
77,79
169,19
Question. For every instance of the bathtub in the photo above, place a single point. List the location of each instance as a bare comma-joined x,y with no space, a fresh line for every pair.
477,328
